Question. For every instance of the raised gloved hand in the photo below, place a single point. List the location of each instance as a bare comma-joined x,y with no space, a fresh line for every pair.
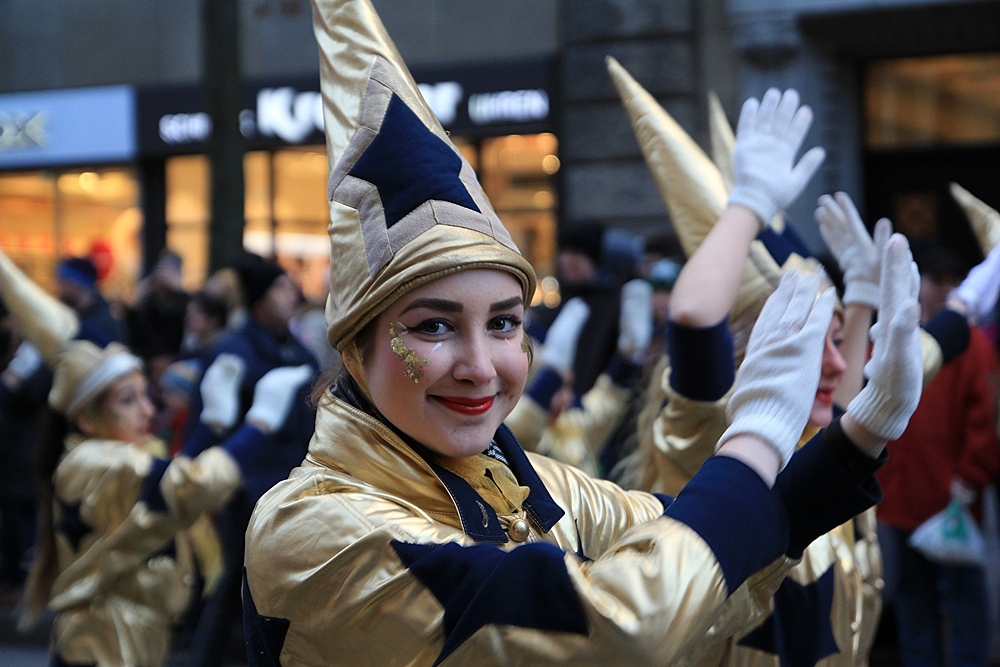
895,370
981,287
776,383
635,322
26,360
272,396
857,253
766,178
220,392
559,349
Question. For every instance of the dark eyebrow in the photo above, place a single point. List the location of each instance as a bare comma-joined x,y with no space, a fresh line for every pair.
506,304
448,306
435,304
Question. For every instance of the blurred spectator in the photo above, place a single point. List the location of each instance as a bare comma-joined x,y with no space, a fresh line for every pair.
177,384
662,276
224,285
24,386
949,452
263,342
205,320
155,320
309,326
76,286
593,264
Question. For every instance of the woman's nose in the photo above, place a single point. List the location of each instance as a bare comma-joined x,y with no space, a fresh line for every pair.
475,360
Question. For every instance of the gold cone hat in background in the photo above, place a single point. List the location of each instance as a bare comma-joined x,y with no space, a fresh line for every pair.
44,320
405,206
695,194
722,139
984,219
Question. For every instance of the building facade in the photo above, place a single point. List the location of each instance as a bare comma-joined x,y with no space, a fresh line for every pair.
103,128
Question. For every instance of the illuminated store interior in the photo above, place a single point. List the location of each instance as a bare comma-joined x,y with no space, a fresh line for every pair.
48,214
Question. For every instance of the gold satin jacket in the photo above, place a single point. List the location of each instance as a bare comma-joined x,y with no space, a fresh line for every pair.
371,554
117,507
830,603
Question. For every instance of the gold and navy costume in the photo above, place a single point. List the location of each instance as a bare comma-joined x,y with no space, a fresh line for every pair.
371,553
121,578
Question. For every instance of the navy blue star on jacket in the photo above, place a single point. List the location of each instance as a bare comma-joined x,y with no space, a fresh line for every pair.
473,584
265,635
799,631
71,524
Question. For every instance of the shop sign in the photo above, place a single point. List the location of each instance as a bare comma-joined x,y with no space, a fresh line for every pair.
482,99
76,126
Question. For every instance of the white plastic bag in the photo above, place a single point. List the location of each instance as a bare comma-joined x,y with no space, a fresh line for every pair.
950,537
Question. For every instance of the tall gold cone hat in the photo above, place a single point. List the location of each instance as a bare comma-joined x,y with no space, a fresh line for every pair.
45,321
984,219
695,194
721,138
405,206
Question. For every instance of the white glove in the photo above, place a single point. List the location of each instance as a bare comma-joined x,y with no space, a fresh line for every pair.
26,360
768,135
220,391
980,288
272,396
895,372
559,349
635,322
857,253
776,384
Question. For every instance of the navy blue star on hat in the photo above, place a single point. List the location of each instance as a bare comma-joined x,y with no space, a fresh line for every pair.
409,165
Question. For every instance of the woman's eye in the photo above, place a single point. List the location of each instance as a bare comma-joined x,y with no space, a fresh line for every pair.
505,323
430,327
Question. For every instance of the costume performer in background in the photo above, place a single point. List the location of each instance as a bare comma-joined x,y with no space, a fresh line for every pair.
111,508
826,611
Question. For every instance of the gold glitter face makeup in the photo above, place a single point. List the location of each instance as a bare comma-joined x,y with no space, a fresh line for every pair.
414,364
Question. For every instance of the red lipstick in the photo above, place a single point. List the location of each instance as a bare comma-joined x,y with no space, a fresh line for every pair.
467,406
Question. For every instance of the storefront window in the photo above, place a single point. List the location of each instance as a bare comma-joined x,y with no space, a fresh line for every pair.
287,213
940,100
45,215
516,172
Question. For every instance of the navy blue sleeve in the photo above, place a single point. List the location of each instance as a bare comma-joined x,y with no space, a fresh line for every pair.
544,386
951,331
247,445
623,372
199,439
742,520
826,483
701,360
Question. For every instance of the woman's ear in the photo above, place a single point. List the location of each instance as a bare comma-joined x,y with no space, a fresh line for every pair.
86,424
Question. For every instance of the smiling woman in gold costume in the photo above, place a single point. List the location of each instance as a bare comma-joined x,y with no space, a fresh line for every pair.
418,532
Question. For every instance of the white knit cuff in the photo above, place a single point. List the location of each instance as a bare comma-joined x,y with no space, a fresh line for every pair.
879,412
756,198
861,292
